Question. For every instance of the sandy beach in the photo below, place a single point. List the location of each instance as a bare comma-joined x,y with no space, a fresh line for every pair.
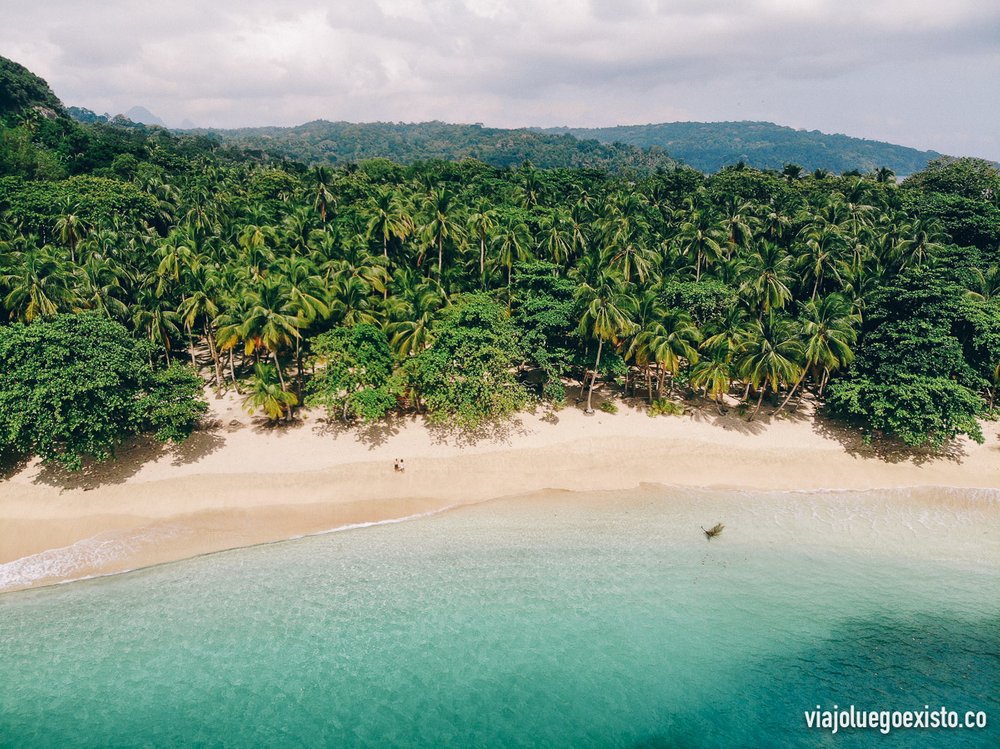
239,482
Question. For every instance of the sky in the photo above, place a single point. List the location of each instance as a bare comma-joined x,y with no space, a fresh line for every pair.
922,73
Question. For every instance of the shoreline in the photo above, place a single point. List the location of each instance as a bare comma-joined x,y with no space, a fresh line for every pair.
239,484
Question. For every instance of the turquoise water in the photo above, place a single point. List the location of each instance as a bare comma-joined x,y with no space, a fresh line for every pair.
600,621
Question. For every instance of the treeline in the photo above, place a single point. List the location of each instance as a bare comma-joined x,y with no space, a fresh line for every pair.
340,143
711,146
466,292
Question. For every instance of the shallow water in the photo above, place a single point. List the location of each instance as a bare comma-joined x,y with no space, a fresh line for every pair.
602,620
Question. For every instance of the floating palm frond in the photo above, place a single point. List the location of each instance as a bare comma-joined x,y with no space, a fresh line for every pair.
714,531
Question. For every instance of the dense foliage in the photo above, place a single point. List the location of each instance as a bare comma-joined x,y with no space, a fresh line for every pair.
74,386
912,379
710,146
465,290
337,143
355,370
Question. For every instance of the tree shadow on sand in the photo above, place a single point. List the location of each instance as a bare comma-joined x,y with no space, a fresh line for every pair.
129,459
885,449
372,434
497,432
11,465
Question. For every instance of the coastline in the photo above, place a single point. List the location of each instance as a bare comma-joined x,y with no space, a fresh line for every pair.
239,483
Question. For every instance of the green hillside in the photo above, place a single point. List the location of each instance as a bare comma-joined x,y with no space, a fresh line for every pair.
21,90
709,146
334,143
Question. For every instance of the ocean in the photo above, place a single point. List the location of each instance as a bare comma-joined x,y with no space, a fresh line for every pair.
602,619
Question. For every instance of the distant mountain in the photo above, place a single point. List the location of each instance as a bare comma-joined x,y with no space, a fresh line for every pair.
323,142
709,146
143,115
21,90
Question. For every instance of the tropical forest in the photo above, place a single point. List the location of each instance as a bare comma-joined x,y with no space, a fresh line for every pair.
141,269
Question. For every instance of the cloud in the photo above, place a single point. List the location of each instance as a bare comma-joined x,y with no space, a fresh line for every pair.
822,64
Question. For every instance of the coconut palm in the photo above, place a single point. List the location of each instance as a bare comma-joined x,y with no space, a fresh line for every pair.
481,224
771,356
714,374
324,198
664,342
604,317
443,225
267,392
829,331
388,218
699,236
71,229
38,285
819,252
765,274
269,321
512,244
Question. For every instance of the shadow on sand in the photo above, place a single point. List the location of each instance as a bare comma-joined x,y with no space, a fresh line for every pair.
129,459
885,449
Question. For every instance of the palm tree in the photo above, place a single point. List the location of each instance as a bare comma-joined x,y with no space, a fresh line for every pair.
38,284
771,356
350,300
884,174
604,318
482,222
986,284
665,341
268,392
270,321
792,172
70,229
101,287
388,218
715,374
512,244
738,224
556,236
819,253
700,237
324,198
766,273
153,316
443,225
411,313
828,331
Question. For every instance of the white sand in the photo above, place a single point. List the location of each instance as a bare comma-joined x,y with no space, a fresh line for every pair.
240,482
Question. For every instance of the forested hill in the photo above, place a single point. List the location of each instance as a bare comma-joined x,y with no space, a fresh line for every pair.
709,146
22,91
337,143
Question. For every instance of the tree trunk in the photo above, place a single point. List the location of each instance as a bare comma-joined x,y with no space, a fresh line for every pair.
385,291
826,379
791,392
440,258
482,259
760,399
593,377
649,383
277,364
659,381
298,364
210,337
194,363
232,372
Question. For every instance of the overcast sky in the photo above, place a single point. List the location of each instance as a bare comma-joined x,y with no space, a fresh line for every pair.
923,73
